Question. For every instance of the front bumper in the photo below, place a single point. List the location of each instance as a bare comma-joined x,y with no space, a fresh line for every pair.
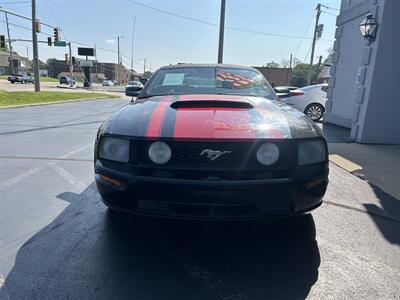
208,199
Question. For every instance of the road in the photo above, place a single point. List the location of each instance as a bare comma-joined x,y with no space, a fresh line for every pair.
56,87
58,241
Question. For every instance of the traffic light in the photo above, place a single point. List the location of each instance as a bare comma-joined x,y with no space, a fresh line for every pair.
2,41
38,26
56,34
66,57
49,42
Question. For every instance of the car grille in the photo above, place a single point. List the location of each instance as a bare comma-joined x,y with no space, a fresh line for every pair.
239,156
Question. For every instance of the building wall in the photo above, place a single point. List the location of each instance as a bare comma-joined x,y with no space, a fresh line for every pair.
361,92
379,120
277,76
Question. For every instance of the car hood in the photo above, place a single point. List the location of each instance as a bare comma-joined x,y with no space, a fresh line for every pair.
210,117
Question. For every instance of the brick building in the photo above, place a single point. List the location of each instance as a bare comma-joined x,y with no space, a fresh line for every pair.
277,76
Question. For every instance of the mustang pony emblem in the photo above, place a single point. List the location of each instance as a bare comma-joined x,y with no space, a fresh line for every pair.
213,154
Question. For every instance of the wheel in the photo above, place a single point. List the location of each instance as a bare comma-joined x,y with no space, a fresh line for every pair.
12,81
314,111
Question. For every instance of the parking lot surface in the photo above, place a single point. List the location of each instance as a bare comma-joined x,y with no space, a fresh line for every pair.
58,241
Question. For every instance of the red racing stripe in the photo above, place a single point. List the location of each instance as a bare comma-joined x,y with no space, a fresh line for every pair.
218,123
157,118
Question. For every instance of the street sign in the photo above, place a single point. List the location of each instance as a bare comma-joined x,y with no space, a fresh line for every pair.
86,51
60,43
86,63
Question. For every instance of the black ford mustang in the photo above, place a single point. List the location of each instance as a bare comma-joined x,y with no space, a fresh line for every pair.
210,142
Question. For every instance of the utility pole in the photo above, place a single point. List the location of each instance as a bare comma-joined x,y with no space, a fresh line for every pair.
144,66
319,63
27,52
71,65
35,48
133,36
9,46
118,61
290,70
221,32
318,9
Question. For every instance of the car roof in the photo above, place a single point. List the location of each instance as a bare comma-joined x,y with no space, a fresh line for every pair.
188,65
313,86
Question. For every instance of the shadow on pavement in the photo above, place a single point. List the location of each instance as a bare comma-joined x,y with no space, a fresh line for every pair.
336,134
88,252
390,211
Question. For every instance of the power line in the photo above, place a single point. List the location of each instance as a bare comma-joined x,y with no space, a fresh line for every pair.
328,13
51,12
15,2
328,7
305,32
215,24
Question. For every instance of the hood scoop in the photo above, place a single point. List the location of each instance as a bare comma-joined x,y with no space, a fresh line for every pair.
211,104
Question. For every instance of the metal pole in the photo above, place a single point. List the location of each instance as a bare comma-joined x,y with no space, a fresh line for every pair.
313,43
35,49
27,52
290,69
9,46
26,18
221,32
118,63
133,36
71,65
144,67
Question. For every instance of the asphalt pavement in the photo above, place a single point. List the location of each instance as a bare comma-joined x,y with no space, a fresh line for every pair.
58,241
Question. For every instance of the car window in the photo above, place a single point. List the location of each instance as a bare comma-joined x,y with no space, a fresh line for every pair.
209,80
324,88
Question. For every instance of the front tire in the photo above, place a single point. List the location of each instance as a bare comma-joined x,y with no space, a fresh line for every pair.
314,111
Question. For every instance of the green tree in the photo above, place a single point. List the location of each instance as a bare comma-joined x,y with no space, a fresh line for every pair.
272,64
147,74
300,74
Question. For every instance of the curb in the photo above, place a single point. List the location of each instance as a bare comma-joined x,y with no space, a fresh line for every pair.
56,102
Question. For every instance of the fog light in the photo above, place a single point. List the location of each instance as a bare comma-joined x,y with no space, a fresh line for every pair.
159,153
267,154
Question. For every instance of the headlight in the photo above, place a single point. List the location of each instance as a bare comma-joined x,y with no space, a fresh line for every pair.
311,152
267,154
114,149
159,152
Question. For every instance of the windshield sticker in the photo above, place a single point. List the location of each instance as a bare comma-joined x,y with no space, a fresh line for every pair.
238,81
174,79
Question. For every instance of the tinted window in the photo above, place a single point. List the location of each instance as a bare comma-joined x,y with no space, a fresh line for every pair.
208,80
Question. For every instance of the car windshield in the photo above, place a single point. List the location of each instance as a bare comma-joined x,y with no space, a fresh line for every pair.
208,80
133,83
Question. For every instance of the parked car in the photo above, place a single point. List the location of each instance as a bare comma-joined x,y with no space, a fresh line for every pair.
108,83
21,78
133,88
210,142
67,80
310,100
284,91
144,80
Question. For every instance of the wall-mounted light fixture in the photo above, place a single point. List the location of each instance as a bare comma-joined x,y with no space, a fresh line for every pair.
369,27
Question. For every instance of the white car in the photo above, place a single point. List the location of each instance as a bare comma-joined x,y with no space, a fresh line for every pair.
108,83
310,100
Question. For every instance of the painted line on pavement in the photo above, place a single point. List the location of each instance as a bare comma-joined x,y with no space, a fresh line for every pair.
45,158
68,177
28,173
344,163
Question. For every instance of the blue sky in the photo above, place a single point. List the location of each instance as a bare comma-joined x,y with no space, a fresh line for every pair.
162,38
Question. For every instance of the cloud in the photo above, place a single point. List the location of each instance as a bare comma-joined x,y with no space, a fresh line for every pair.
110,41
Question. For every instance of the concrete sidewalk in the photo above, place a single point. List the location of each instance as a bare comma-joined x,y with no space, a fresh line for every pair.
377,164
